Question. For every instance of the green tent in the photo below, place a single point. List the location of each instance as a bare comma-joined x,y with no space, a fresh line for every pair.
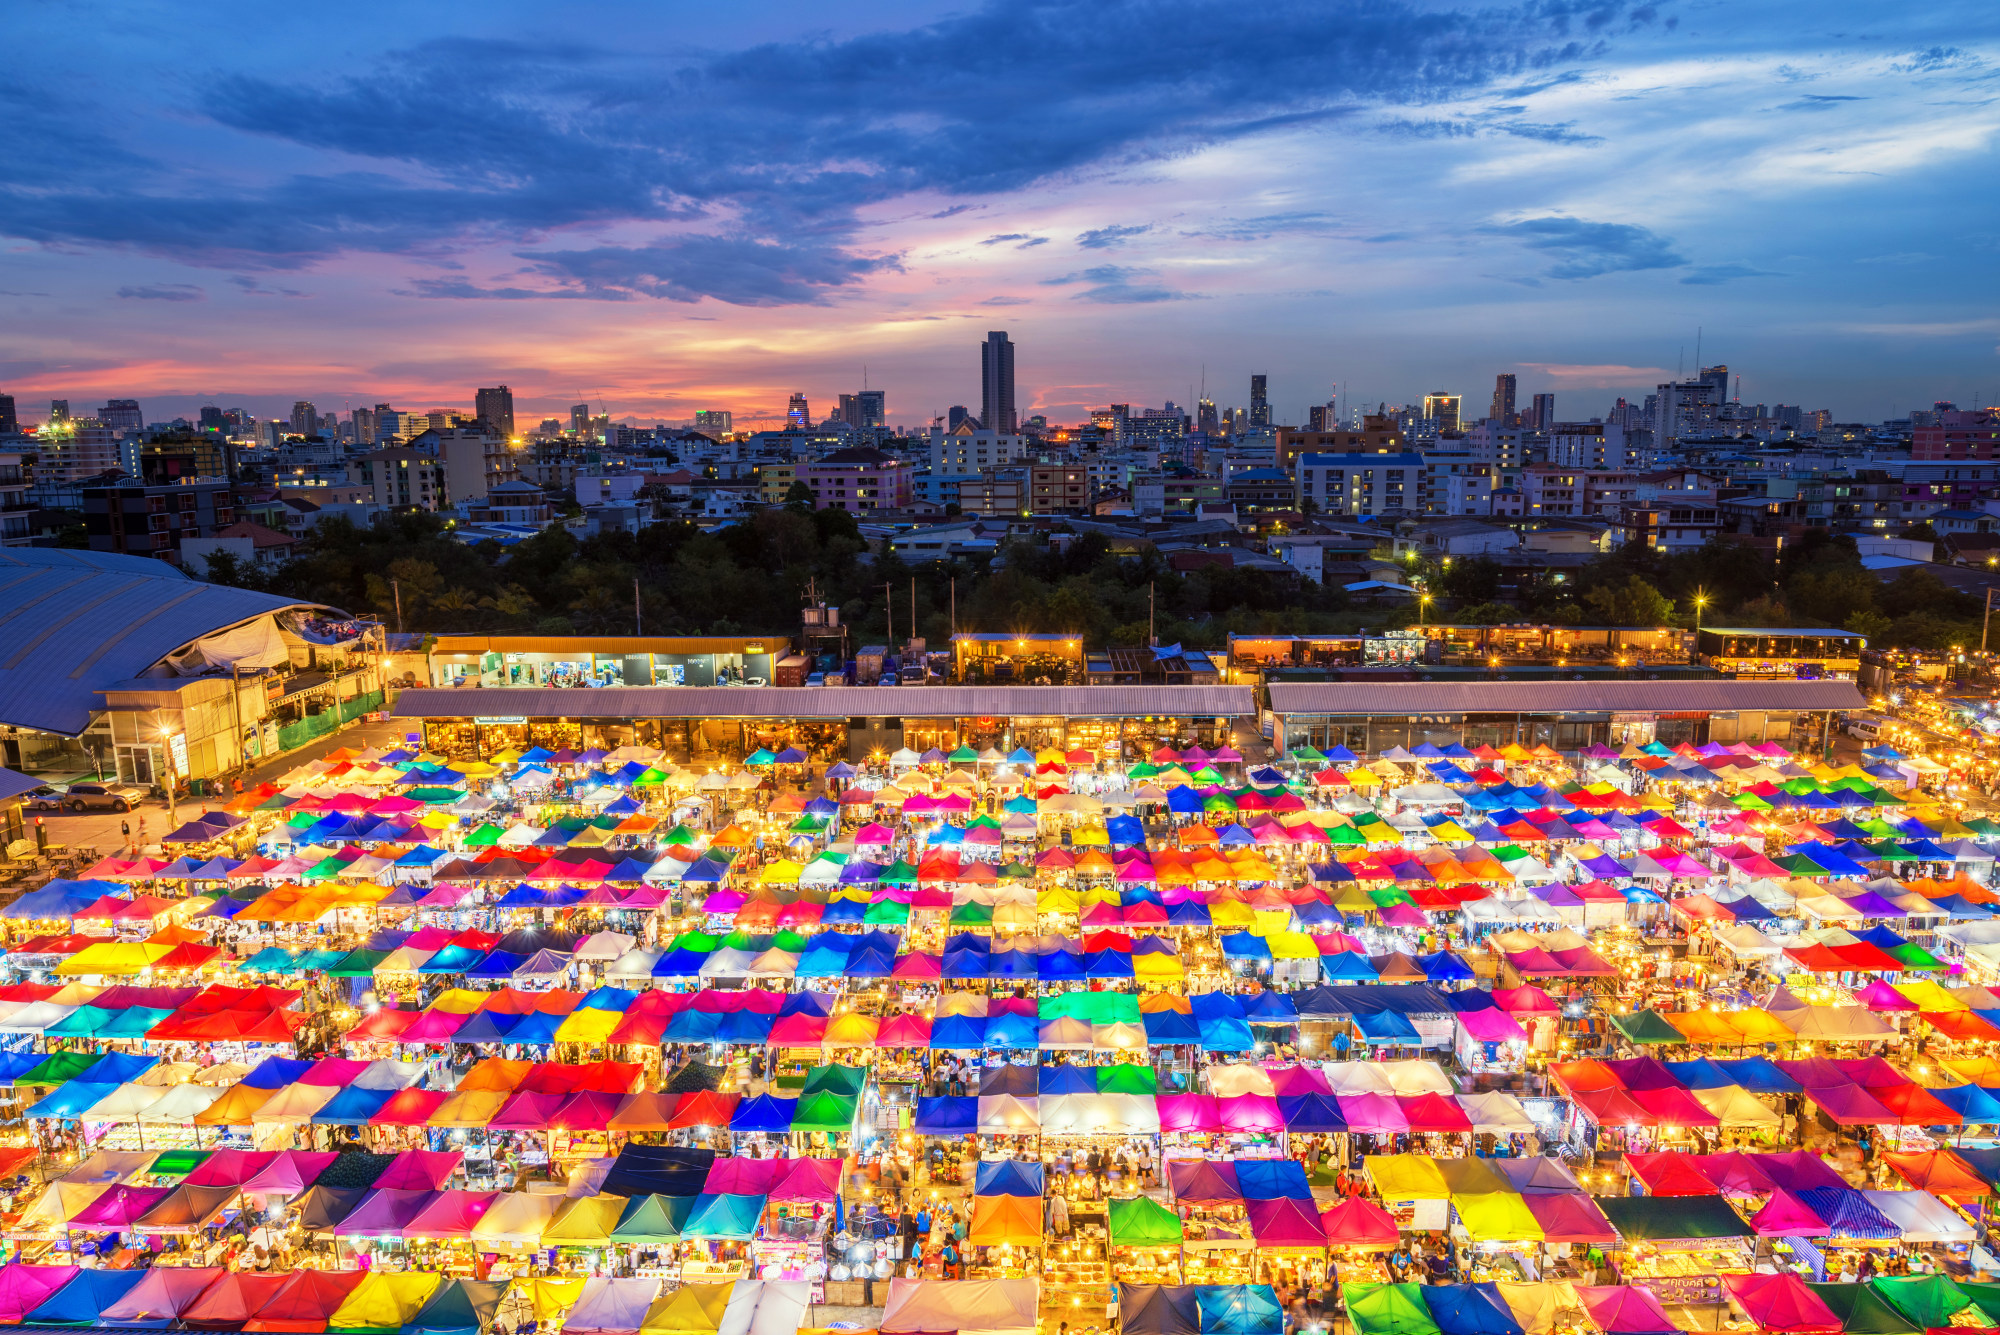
1886,851
1017,871
1985,1297
1927,1300
1672,1218
179,1163
434,795
1862,1311
652,778
357,964
485,836
888,913
678,837
1388,1309
1141,1221
1750,802
1390,897
1310,753
788,940
58,1069
848,1081
1126,1078
460,1306
706,943
1647,1027
807,825
1346,836
972,914
965,755
898,872
825,1111
652,1219
1145,769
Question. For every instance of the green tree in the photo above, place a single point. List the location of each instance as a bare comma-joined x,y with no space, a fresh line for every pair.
1634,603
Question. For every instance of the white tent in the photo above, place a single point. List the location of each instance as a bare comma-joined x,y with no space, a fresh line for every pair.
604,946
1735,1106
1226,1082
635,963
1417,1077
1496,1114
766,1307
1921,1216
1008,1115
179,1105
969,1307
518,1217
124,1104
111,1166
1357,1078
1744,939
611,1305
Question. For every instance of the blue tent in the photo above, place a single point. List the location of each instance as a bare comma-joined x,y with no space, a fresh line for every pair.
680,963
81,1301
60,899
498,964
121,1067
1125,830
1444,967
765,1113
744,1027
1271,1008
453,959
536,1029
874,955
1759,1075
945,1115
486,1027
691,1026
1158,1309
1184,801
1164,1028
1059,964
960,1032
844,913
1388,1027
1972,1103
71,1099
1013,963
276,1072
1239,1309
1006,1031
1470,1309
965,963
1344,966
353,1105
1107,964
1700,1073
826,955
1245,946
1008,1177
1068,1080
819,1004
1748,909
1188,913
1311,1112
1222,1034
1271,1179
271,959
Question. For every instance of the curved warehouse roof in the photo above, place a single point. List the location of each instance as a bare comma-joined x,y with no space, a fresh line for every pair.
1559,697
74,622
826,701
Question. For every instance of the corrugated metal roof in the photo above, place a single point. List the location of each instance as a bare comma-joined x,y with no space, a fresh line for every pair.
1558,697
828,702
607,645
70,627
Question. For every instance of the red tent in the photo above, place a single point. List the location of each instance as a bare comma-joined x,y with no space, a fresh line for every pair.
1782,1304
1566,1216
1670,1174
305,1300
1358,1222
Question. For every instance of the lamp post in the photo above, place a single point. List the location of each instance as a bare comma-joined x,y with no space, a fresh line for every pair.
1423,601
167,749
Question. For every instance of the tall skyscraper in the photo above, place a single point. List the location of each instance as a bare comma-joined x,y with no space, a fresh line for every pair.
996,384
1545,411
9,422
797,413
495,407
1503,401
1260,401
713,420
122,415
58,411
1206,420
864,410
305,419
579,419
1444,409
1323,417
954,415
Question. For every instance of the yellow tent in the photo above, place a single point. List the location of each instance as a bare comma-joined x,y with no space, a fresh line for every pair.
588,1026
782,872
1497,1216
549,1299
235,1108
585,1221
1928,996
691,1309
1406,1177
1230,913
59,1204
470,1107
1757,1025
1285,946
116,958
496,1073
1157,966
460,1001
1058,899
385,1300
852,1030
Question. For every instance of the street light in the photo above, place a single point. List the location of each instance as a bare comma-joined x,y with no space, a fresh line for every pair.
1700,601
1423,601
167,737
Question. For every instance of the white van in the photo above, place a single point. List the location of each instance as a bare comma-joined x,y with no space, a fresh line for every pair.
1866,727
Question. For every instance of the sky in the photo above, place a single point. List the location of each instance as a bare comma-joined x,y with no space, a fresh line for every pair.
663,207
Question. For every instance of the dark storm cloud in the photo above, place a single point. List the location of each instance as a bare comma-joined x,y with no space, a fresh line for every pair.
757,197
1585,249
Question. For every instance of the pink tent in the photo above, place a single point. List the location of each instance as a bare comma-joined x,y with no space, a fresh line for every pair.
526,1111
1285,1223
1525,1001
286,1173
1782,1304
23,1288
918,965
1250,1112
1432,1112
451,1214
1570,1217
806,1180
229,1168
1358,1222
1786,1216
742,1177
1492,1026
1625,1309
904,1031
1372,1113
1188,1112
433,1026
115,1210
1880,996
798,1031
420,1170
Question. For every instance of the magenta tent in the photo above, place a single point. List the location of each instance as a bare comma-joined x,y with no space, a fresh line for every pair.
23,1288
433,1026
1492,1026
1786,1216
286,1173
739,1176
385,1213
451,1214
1358,1222
1377,1113
1188,1112
1290,1080
591,1110
1799,1170
527,1111
229,1168
1567,1216
1525,1001
1851,1105
1432,1112
904,1031
115,1210
1624,1309
335,1071
1250,1112
798,1031
806,1180
1782,1304
420,1170
1285,1222
1204,1182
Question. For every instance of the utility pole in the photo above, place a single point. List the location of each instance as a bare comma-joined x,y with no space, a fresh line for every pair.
1152,635
913,606
638,612
1987,623
954,609
396,587
889,615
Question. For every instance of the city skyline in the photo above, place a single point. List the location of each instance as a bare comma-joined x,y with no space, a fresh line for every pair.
1375,201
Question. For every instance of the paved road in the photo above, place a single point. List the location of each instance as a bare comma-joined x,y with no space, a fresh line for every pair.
106,830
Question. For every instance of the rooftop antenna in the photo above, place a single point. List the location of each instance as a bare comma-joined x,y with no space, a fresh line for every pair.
1697,349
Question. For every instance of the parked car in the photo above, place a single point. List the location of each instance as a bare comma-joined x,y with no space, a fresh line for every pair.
107,796
48,797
